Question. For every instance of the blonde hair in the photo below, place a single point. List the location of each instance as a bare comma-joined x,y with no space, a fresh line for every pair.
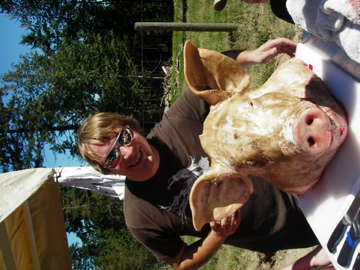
101,128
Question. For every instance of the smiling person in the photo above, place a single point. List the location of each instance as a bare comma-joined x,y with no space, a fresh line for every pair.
162,168
112,143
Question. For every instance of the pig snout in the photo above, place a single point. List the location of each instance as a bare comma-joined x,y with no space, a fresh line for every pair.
312,131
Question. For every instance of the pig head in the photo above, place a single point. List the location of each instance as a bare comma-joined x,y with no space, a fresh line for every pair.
286,131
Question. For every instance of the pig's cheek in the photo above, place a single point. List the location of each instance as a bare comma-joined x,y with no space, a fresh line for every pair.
312,131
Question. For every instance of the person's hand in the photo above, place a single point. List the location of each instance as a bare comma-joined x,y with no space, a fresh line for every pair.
226,226
267,51
273,47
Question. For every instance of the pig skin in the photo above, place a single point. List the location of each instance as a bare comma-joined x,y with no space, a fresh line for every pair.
257,132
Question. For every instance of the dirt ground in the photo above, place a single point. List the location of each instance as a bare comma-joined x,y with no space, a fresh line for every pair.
278,260
285,257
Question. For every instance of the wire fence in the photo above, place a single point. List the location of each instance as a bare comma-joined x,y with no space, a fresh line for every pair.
156,51
164,24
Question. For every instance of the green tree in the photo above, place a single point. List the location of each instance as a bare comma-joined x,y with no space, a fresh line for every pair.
84,63
99,222
80,259
86,59
49,94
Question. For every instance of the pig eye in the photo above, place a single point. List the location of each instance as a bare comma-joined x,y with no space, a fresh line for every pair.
311,141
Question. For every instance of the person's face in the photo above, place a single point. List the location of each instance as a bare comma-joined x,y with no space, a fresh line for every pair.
255,1
128,154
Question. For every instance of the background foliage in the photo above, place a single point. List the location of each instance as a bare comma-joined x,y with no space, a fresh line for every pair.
86,58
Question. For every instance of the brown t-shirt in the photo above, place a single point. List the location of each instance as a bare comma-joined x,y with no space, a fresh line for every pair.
157,211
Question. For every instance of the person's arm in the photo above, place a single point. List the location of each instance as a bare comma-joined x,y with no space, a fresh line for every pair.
264,53
199,253
315,258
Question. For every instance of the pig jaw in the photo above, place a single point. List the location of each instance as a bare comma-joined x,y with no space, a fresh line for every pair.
294,181
301,190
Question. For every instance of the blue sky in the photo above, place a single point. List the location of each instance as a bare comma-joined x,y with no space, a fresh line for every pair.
9,46
10,49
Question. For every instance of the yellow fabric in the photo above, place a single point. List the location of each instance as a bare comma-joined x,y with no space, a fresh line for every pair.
46,223
17,233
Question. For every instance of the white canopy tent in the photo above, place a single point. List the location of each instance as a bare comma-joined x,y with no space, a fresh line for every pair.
32,229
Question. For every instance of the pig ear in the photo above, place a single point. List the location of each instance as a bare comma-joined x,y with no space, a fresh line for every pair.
215,197
211,75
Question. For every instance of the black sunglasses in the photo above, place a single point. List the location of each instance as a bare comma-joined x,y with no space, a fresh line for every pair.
124,137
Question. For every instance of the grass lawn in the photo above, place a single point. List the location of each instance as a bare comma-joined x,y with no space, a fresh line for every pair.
255,25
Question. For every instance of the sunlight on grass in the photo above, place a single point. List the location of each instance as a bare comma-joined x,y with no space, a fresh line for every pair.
253,30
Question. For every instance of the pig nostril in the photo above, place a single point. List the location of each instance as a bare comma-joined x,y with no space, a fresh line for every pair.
310,121
311,141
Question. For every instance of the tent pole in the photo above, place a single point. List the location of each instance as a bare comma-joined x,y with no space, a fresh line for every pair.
32,241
